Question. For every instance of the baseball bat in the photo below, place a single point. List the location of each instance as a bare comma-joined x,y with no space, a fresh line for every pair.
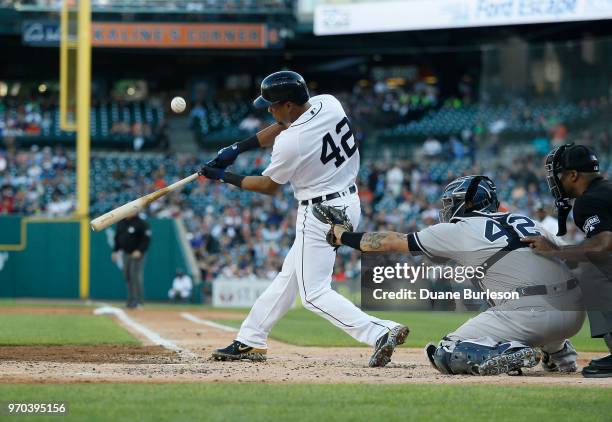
137,205
266,138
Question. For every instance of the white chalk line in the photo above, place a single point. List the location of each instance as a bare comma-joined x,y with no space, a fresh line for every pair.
201,321
151,335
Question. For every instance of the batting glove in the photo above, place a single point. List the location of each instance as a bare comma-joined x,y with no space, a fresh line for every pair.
213,173
225,157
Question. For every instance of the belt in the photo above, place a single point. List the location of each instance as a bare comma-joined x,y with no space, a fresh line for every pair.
541,289
328,197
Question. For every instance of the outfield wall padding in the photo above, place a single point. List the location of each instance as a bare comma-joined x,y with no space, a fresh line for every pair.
48,264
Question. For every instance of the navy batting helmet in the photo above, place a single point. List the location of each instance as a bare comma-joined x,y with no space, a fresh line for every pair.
282,86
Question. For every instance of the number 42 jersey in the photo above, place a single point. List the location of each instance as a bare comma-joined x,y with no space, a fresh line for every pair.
473,240
317,154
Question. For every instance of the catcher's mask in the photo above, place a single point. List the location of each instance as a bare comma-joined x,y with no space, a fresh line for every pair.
467,194
560,159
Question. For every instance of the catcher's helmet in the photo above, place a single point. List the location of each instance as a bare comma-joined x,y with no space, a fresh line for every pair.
467,194
282,86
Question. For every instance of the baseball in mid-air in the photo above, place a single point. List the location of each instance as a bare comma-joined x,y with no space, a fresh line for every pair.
178,104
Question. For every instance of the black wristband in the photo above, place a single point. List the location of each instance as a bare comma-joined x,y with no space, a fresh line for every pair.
248,144
352,239
233,179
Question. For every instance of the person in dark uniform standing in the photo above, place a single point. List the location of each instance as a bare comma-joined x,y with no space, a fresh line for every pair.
132,237
573,172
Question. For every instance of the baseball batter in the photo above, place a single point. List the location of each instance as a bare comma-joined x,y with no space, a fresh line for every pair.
473,233
314,150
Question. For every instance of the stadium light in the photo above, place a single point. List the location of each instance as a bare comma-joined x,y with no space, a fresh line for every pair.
15,89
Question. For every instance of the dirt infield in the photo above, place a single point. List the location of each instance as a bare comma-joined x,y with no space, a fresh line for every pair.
113,353
150,363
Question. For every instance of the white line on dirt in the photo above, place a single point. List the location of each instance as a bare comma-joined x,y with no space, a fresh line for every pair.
197,320
147,332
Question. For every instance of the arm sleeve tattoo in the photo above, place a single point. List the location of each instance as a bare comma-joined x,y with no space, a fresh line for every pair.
382,241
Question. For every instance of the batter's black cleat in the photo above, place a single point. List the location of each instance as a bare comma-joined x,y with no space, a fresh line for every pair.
526,357
240,351
386,345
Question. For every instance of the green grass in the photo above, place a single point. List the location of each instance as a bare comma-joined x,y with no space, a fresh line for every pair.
161,306
255,402
17,329
303,328
299,327
58,303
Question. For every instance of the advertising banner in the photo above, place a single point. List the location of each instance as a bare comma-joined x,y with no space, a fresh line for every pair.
237,293
387,16
161,35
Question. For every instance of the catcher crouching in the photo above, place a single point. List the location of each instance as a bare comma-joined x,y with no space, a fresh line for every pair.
512,334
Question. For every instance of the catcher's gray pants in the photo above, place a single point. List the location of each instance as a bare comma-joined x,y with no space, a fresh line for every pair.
132,270
536,321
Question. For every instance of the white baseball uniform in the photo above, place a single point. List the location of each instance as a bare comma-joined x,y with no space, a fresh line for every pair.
536,320
317,154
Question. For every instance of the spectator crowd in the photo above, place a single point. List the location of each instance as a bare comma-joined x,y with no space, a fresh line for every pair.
238,234
25,118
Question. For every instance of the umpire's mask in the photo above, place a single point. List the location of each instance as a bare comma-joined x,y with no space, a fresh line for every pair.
567,157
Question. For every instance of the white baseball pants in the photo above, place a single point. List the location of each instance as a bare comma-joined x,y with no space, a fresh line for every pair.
307,270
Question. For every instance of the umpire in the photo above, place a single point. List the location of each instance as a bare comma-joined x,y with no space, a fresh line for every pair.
573,172
132,238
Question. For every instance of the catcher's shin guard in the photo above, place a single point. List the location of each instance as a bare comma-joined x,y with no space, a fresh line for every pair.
513,361
474,358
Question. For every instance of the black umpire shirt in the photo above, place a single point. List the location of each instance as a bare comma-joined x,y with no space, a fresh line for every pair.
593,215
593,209
132,234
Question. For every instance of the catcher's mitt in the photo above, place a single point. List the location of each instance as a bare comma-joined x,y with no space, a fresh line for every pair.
332,216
